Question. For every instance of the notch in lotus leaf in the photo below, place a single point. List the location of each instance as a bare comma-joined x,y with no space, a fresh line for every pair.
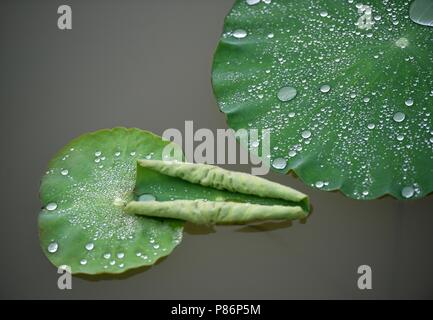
111,204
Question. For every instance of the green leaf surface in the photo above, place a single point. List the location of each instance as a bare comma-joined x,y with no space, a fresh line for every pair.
82,223
206,194
347,91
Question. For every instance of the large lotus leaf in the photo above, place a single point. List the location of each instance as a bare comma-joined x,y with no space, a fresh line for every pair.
82,223
346,90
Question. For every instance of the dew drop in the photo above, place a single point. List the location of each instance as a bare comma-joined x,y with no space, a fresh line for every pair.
252,2
292,153
239,34
291,114
366,99
117,154
270,36
83,262
325,88
120,255
407,192
371,126
52,247
138,254
51,206
279,163
319,184
133,153
323,13
255,144
107,256
121,265
64,172
400,137
156,246
286,94
98,153
409,102
90,246
146,197
353,95
112,262
399,117
431,139
306,134
365,193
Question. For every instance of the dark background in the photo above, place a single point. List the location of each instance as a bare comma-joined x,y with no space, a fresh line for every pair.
147,64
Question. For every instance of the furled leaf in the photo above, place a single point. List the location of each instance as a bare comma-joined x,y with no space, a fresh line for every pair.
346,89
206,194
82,223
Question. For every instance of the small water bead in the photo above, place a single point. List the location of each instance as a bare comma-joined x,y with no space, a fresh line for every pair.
255,144
146,197
292,153
408,192
431,139
83,262
325,88
371,126
51,206
52,247
291,114
117,154
156,246
286,94
138,254
366,99
267,1
409,102
399,117
120,255
89,246
400,137
319,184
107,255
323,13
270,36
252,2
279,163
112,262
121,265
98,153
64,172
353,95
97,160
306,134
239,34
365,193
133,153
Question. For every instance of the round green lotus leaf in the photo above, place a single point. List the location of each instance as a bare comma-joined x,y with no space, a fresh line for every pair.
346,90
82,224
